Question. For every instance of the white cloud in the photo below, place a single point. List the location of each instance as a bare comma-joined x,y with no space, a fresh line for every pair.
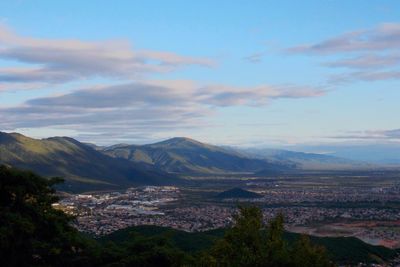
366,61
254,58
368,76
383,37
388,135
147,107
375,53
61,60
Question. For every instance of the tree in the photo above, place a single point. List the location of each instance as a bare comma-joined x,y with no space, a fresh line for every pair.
243,244
142,251
250,243
305,254
32,233
277,250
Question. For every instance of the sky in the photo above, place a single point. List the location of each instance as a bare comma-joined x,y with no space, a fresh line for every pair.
243,73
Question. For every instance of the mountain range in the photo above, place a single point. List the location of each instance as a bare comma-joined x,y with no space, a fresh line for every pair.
306,161
87,167
182,155
83,167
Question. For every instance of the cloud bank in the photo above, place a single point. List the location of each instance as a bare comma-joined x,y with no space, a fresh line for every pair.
145,107
388,135
57,61
375,53
383,37
130,107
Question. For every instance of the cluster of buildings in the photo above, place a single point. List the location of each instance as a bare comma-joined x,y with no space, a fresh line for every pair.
317,194
306,215
166,206
103,213
187,219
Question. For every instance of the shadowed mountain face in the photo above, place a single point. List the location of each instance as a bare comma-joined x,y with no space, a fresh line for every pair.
237,193
187,156
80,165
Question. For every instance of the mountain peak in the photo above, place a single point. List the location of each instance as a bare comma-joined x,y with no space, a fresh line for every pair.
13,137
64,139
6,137
183,139
82,167
180,141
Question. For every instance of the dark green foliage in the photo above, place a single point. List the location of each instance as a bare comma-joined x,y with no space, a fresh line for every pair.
349,250
250,243
143,251
187,242
32,233
343,250
306,254
244,244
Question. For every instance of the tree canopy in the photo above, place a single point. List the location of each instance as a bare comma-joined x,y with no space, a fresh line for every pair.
32,233
251,243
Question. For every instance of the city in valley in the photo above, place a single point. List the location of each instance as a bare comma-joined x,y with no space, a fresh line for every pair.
200,133
365,206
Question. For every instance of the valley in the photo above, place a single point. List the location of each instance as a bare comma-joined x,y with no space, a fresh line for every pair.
199,133
190,186
324,204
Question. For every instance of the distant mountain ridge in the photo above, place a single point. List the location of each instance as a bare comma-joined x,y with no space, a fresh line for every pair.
83,167
306,161
91,167
185,155
188,156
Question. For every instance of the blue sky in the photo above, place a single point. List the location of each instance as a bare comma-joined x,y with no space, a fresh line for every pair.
225,72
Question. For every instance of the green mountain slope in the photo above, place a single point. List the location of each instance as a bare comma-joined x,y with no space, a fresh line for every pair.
83,167
188,156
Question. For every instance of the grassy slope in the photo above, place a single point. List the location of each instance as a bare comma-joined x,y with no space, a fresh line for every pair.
184,155
83,167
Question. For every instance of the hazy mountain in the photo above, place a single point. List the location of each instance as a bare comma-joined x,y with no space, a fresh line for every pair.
374,153
309,161
184,155
83,167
